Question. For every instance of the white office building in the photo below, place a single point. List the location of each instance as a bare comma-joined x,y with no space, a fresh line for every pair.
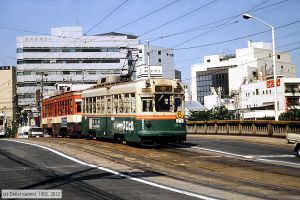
68,57
161,62
257,98
229,72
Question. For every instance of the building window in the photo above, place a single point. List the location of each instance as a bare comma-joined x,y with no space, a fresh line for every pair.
257,92
140,51
92,72
27,73
20,74
159,60
66,73
270,91
278,56
159,52
208,60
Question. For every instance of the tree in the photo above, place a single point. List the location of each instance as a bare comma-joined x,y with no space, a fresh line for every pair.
291,115
11,131
200,115
217,113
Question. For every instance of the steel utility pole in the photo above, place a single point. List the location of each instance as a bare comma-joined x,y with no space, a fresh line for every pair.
148,53
247,16
41,96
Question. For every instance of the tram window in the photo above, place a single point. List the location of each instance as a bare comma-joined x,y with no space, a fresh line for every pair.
90,105
121,103
177,105
147,105
87,105
94,104
126,104
108,104
78,106
115,104
163,102
102,105
132,101
98,104
83,105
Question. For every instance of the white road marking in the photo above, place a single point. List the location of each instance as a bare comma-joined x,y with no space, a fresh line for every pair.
217,151
271,156
254,158
120,174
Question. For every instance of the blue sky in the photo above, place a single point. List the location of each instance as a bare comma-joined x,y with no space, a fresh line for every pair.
40,15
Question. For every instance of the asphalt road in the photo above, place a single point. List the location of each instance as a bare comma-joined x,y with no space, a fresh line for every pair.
260,152
24,166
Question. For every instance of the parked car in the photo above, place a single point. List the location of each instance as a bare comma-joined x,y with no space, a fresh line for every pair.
23,132
30,131
35,131
294,138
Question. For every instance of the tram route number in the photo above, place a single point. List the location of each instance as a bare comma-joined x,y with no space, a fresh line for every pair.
179,114
128,125
121,126
179,117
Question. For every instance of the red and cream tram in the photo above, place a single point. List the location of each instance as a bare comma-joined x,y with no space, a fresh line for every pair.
61,114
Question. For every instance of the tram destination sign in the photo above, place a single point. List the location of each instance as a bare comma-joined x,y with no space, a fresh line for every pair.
163,88
64,122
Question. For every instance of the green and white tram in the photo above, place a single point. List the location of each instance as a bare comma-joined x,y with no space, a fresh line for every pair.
143,111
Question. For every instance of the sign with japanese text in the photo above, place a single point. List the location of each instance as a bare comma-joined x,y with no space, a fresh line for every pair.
270,83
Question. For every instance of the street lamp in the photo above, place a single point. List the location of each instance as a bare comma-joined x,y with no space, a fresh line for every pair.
247,16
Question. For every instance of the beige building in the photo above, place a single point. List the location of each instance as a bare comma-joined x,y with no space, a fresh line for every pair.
8,93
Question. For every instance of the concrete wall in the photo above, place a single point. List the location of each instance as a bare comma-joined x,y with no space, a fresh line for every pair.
8,92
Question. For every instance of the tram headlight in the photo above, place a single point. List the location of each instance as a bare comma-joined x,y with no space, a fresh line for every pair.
148,124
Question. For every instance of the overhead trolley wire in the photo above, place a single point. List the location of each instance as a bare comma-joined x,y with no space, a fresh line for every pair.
253,9
104,18
177,18
234,39
147,15
211,23
225,23
215,22
34,32
245,55
256,8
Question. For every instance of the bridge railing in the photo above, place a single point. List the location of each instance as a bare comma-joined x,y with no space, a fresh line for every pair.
244,127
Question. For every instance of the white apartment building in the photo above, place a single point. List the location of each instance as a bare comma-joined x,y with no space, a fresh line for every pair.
161,62
68,57
257,98
231,71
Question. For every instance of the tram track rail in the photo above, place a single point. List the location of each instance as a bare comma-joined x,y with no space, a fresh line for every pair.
206,178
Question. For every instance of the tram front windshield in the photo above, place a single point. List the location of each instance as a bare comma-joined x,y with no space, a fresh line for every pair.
163,103
168,102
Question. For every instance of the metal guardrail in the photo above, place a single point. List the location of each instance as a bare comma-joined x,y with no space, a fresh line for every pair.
244,127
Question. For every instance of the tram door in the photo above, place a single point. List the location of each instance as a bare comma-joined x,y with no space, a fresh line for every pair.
108,119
